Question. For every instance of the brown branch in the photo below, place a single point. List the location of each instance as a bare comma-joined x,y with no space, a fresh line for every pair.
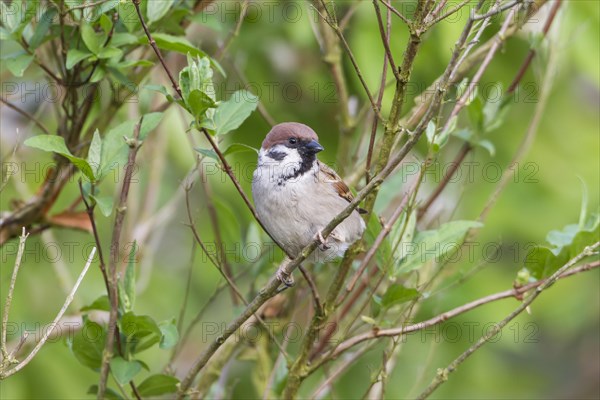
313,288
531,54
385,38
464,150
516,293
152,42
90,211
397,13
442,375
134,145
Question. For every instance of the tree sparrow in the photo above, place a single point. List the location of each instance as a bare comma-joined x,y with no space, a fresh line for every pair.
296,195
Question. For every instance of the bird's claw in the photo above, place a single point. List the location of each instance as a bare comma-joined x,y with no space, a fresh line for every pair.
323,243
286,278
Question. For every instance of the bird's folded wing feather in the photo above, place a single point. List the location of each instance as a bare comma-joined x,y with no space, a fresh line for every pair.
338,184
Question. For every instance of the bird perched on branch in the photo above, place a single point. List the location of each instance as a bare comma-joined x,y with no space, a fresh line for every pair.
296,195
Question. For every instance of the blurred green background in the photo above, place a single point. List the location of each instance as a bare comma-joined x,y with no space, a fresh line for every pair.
552,352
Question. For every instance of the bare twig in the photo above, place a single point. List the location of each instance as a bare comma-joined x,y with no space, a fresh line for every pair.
134,145
529,137
54,323
382,86
397,13
9,295
385,38
235,32
313,288
442,375
511,293
25,114
152,42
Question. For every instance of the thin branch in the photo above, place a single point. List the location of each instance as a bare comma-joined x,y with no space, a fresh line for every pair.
25,114
464,150
382,86
9,295
134,145
531,54
221,270
397,13
287,267
516,293
235,32
330,21
60,314
313,288
385,38
497,10
82,6
450,12
442,375
90,212
152,42
528,139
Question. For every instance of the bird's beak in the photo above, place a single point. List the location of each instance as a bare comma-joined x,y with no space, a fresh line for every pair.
313,147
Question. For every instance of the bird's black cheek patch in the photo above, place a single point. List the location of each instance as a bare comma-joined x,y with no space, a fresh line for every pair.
276,155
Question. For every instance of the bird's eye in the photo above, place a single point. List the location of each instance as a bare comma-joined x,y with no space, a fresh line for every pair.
292,140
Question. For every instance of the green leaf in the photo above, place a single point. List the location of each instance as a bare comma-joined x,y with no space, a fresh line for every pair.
134,63
156,385
17,65
129,280
123,38
88,344
98,74
109,394
92,40
141,332
124,371
542,261
101,303
114,149
199,102
178,44
74,56
105,204
128,16
488,145
95,153
57,145
149,123
170,335
232,113
238,148
434,244
398,294
430,132
110,52
157,9
207,153
42,28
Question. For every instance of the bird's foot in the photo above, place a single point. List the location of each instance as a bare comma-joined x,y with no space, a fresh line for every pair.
322,242
284,277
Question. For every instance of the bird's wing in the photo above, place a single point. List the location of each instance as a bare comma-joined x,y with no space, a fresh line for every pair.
338,184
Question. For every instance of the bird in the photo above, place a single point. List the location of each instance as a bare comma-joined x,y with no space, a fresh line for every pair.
296,196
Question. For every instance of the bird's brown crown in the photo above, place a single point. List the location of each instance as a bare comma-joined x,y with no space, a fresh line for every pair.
280,134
